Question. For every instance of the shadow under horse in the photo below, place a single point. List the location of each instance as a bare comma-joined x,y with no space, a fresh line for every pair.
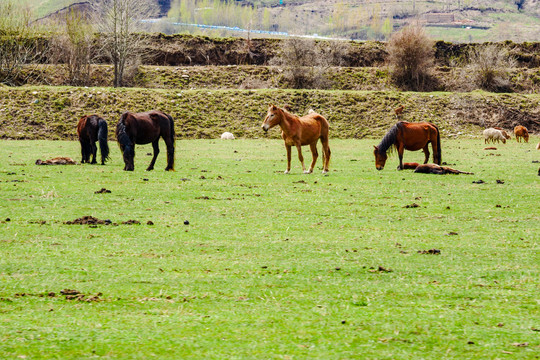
92,128
409,136
145,128
299,131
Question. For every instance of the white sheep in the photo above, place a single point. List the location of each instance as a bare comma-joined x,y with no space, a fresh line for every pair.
227,136
493,135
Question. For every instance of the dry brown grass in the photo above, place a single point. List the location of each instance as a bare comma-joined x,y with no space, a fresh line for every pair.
489,67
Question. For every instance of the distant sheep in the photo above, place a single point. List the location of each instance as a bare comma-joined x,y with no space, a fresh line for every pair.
521,132
503,131
227,136
493,135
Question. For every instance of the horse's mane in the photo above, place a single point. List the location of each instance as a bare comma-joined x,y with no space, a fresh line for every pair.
290,114
389,139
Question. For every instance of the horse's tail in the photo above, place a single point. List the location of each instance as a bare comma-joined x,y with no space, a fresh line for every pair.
126,145
439,155
173,140
102,138
171,123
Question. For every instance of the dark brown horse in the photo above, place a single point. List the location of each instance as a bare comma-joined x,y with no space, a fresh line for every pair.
299,131
90,129
409,136
144,128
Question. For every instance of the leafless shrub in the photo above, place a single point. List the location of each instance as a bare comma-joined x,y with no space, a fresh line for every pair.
19,44
489,67
73,48
411,58
305,63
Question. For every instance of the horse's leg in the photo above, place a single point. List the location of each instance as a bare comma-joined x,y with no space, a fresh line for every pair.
326,154
426,153
94,151
83,151
155,145
170,153
288,147
437,158
315,154
401,148
301,157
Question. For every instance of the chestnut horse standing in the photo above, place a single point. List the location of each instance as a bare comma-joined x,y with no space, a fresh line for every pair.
144,128
521,132
299,131
412,137
90,129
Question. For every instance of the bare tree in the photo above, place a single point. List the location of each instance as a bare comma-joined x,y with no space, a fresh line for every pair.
18,43
305,62
119,20
73,47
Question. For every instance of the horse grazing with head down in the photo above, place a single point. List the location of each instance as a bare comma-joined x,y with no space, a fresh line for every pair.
144,128
409,136
92,128
300,131
521,132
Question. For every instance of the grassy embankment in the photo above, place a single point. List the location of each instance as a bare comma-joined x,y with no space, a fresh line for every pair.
270,265
52,112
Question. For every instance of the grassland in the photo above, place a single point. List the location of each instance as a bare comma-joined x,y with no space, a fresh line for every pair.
271,265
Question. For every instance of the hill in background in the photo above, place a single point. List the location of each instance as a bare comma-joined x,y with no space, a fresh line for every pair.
449,20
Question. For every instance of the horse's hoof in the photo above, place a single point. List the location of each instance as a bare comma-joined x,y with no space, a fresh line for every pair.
286,172
149,169
325,171
307,172
170,170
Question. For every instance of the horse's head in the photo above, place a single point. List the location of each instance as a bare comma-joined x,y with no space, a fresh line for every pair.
380,158
129,155
273,117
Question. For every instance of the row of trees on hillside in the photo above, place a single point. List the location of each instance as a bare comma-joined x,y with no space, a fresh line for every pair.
343,20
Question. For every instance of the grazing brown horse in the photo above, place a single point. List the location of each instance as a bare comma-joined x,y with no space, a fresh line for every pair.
521,132
144,128
409,136
90,129
299,131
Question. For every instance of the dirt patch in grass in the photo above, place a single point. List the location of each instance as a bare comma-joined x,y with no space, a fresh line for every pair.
88,220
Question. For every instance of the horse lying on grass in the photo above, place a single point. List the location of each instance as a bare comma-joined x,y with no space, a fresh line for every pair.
300,131
433,169
57,161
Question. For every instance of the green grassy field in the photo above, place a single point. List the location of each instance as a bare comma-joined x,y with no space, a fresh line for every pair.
271,265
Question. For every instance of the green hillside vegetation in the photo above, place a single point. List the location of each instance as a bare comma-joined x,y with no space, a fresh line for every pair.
52,112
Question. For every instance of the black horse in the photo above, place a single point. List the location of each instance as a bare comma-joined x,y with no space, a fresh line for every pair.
90,129
144,128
